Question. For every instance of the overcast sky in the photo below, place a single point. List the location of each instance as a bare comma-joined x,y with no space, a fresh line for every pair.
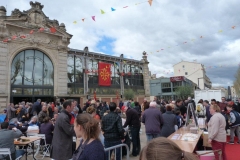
171,27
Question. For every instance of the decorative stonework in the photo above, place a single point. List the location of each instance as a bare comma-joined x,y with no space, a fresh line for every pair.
55,45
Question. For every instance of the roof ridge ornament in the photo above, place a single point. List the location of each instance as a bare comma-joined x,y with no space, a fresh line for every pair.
36,5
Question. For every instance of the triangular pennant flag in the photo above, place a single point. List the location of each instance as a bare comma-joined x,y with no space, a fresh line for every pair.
83,19
75,22
93,17
201,37
113,9
22,36
14,37
6,40
220,31
233,27
41,29
150,2
102,12
53,30
31,32
125,7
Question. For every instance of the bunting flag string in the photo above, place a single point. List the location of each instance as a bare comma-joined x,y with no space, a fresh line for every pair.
168,71
193,40
24,36
112,10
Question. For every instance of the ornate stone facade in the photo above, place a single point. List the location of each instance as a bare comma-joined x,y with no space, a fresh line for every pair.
31,29
55,45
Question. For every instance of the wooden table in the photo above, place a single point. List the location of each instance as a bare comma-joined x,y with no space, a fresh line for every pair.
26,143
187,146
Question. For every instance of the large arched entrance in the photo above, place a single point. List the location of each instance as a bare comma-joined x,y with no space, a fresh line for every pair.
32,77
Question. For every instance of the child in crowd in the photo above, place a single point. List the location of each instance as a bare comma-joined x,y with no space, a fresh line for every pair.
179,119
234,122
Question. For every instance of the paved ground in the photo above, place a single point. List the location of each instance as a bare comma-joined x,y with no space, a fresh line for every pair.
142,139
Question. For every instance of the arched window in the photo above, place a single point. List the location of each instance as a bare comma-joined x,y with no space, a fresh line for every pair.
32,73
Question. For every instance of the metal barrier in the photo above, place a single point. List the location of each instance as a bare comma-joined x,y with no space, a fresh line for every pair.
114,148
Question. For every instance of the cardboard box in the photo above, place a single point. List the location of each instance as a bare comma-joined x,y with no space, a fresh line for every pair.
209,156
205,140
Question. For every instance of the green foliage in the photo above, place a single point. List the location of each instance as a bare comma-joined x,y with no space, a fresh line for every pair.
128,94
184,91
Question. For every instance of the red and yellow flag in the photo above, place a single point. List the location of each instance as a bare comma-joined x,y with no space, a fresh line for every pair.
104,74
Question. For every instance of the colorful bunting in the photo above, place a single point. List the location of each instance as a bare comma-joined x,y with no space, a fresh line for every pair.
102,12
201,37
233,27
6,40
220,31
53,30
83,19
150,2
31,32
14,37
23,36
125,7
41,29
75,22
113,9
93,18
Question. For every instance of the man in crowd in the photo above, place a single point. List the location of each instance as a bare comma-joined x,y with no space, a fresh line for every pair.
207,106
7,140
152,118
11,111
36,108
223,105
59,107
21,112
63,133
132,120
42,114
112,129
78,106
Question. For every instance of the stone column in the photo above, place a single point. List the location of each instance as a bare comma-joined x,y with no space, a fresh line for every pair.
61,74
146,77
3,76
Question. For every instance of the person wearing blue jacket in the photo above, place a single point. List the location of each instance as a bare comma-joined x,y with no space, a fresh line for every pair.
234,123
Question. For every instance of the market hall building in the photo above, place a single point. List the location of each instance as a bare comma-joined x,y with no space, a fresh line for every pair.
35,62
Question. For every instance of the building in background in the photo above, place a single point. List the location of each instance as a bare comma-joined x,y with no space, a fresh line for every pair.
193,71
164,87
37,63
233,93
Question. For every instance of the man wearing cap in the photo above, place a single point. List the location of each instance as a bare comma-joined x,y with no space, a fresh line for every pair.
132,120
152,118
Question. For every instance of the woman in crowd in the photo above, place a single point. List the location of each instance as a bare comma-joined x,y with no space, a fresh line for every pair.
162,149
87,127
92,111
216,131
47,129
169,122
34,121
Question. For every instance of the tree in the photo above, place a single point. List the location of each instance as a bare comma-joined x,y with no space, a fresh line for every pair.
128,94
236,83
184,91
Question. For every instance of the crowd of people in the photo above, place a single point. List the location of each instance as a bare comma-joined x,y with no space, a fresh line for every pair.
102,125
